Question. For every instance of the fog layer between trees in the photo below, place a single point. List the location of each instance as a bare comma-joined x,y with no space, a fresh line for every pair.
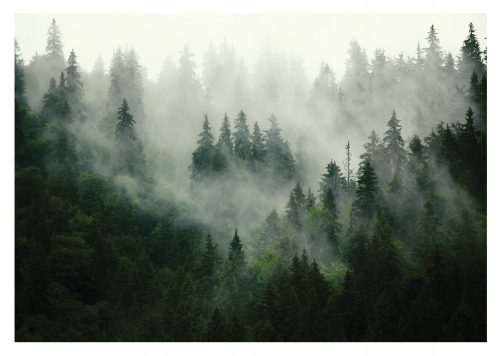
360,197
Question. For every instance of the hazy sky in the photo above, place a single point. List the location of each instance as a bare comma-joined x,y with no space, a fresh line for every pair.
313,37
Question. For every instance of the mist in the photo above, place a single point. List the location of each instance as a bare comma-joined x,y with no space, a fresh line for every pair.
336,138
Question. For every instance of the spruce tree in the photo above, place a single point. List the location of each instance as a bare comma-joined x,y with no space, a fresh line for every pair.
225,142
54,45
203,157
394,144
19,77
257,144
330,219
347,163
367,189
279,156
236,257
433,50
333,179
310,200
125,126
216,328
241,135
471,56
74,85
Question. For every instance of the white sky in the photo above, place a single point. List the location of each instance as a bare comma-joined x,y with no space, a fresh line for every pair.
313,37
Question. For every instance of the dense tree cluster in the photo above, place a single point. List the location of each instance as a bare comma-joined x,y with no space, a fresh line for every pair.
395,251
266,152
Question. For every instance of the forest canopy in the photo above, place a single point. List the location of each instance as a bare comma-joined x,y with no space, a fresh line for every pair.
198,207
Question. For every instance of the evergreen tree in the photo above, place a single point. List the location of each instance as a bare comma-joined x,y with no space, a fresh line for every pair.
347,163
203,157
374,150
74,85
295,207
130,159
367,189
333,179
433,52
209,258
279,155
241,135
225,142
330,219
125,126
55,104
449,66
394,144
470,58
310,200
216,328
416,148
257,144
54,46
236,257
19,77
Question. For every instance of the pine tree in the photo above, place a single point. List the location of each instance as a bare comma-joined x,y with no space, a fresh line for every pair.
333,179
74,85
117,80
225,142
55,104
236,257
216,328
394,144
367,189
125,126
419,61
49,101
209,258
416,148
449,66
19,77
279,155
131,158
347,163
295,207
203,156
374,150
241,135
310,200
257,144
330,219
54,46
433,51
470,56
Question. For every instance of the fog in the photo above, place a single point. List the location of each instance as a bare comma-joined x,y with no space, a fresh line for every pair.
312,37
310,71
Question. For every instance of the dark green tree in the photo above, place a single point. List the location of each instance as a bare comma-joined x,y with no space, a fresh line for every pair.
333,179
216,328
330,219
279,156
225,142
394,144
125,126
74,85
367,190
203,156
257,144
241,137
470,59
19,77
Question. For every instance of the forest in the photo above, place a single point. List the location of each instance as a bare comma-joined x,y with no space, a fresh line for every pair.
218,203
